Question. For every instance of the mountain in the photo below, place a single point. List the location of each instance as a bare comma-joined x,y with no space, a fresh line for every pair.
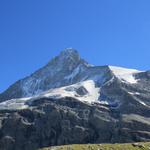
66,69
69,101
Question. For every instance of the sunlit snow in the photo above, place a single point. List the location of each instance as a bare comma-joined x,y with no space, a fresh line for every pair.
126,75
90,87
91,96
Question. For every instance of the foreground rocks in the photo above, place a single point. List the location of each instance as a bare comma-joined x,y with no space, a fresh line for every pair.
51,122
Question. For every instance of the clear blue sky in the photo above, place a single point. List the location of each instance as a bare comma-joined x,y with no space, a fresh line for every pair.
115,32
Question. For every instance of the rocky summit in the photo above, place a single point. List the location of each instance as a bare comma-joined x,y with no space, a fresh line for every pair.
70,101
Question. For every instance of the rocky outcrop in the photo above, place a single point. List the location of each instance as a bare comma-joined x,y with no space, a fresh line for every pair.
68,121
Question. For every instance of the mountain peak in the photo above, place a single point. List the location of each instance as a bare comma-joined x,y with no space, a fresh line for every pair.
70,53
68,58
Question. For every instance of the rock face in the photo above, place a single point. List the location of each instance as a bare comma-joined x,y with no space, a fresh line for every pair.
73,102
68,121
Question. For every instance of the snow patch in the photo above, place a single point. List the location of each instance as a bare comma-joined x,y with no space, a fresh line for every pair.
126,75
137,93
89,85
134,93
141,102
14,104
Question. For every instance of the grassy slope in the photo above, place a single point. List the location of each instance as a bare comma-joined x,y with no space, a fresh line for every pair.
142,146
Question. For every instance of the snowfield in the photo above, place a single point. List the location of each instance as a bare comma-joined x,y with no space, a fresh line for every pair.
92,94
124,74
85,91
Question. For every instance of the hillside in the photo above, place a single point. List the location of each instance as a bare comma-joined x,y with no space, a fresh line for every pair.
131,146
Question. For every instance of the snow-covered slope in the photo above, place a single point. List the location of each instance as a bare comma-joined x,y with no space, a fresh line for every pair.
68,75
124,74
14,104
83,91
87,91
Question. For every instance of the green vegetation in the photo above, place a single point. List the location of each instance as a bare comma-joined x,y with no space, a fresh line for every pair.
131,146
